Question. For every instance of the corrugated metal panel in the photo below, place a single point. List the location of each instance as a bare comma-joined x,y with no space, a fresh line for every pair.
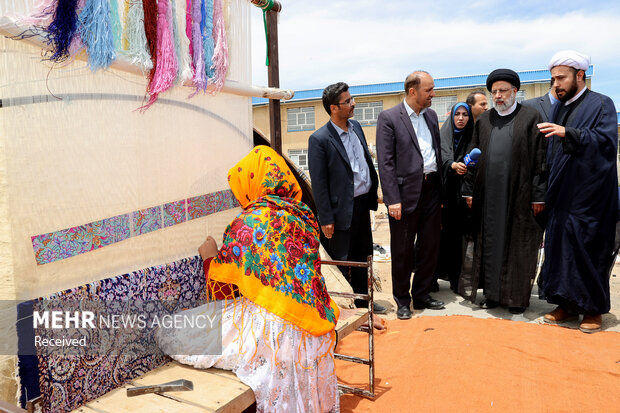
526,76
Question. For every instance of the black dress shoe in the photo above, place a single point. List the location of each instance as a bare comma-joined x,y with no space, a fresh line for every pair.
430,303
488,303
516,310
403,312
378,309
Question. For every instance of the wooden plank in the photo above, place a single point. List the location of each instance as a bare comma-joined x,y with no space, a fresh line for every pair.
350,320
9,408
117,401
214,389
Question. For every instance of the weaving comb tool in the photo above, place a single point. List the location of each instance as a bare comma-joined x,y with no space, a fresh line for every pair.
177,385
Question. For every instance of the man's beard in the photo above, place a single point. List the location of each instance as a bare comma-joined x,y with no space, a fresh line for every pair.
508,102
570,93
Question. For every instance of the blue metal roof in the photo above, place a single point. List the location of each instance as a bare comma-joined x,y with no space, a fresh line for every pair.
527,76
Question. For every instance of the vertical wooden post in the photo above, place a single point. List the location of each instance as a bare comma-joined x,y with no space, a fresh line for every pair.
275,121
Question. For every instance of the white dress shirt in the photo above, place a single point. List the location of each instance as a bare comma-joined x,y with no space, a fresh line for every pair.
425,139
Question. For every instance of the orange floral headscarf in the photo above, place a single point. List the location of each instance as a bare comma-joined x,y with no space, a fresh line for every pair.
262,172
270,251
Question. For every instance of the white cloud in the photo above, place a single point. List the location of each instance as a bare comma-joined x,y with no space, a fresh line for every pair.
322,45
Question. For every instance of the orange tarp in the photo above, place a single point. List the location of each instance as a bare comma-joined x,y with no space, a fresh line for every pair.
465,364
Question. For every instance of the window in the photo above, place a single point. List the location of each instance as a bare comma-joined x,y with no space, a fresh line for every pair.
299,157
366,113
299,119
442,105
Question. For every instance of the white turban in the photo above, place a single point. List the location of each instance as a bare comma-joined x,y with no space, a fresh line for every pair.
570,58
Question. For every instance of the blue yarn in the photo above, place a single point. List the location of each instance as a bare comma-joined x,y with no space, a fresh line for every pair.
96,33
206,28
61,30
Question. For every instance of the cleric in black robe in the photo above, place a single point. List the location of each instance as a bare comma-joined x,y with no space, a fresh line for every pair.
509,184
582,198
455,215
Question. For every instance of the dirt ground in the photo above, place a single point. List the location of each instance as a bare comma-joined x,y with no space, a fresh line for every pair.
457,305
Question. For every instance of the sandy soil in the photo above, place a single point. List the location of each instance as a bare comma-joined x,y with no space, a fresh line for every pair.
457,305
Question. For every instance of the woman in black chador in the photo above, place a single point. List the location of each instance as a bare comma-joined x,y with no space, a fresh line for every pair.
456,134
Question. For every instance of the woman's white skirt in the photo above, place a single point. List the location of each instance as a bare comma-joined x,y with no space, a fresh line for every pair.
288,369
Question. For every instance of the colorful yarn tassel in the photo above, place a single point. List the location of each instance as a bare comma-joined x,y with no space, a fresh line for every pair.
125,40
200,78
115,20
62,29
206,29
166,66
137,45
181,43
150,31
188,30
220,54
96,34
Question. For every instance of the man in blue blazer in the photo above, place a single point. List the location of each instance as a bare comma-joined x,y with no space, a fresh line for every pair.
409,152
344,184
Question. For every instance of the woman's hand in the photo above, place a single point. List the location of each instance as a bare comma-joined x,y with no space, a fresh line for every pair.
208,249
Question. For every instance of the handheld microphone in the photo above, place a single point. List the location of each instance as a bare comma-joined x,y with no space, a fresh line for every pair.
472,157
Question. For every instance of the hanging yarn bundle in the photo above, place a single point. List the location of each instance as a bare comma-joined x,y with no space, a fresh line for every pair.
135,35
166,63
220,54
209,46
181,43
188,31
151,37
61,30
200,77
96,33
115,22
206,29
150,31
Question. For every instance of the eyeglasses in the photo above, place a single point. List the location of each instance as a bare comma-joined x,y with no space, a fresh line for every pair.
346,102
500,91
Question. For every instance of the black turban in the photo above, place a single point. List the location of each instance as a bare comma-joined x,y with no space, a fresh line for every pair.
507,75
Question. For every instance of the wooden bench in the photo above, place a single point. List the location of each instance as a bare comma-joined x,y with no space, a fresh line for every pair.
215,390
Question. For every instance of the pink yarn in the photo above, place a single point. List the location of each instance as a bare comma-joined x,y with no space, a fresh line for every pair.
42,15
188,29
220,53
200,76
167,65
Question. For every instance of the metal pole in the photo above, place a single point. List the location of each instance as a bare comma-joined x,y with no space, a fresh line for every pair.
275,121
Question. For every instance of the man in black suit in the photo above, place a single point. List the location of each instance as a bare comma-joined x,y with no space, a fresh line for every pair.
409,152
344,184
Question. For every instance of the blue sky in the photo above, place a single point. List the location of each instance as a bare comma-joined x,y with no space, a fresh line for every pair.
363,41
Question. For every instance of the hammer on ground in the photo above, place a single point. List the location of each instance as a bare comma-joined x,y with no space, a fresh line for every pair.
177,385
